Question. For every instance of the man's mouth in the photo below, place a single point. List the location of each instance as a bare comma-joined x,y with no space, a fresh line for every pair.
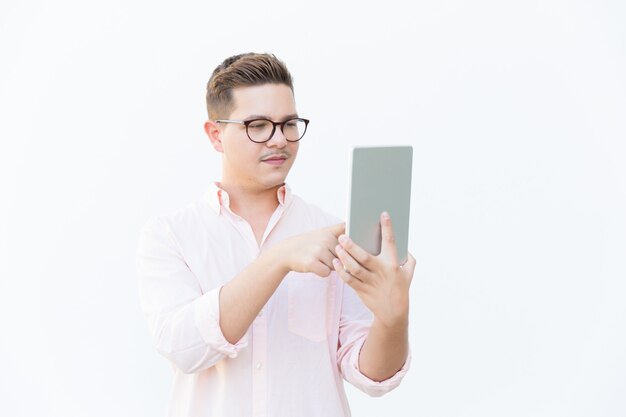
275,159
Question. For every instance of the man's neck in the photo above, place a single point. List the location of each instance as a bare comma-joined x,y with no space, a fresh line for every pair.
255,206
251,202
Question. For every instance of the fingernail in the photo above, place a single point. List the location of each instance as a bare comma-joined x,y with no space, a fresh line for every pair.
385,215
343,239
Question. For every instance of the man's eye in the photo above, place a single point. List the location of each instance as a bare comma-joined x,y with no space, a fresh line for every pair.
259,125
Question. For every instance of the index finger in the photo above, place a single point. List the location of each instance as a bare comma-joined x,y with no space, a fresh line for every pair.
337,229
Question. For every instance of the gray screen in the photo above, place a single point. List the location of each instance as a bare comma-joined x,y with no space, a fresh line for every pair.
380,181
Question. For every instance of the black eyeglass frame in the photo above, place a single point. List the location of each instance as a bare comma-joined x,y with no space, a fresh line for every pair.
274,124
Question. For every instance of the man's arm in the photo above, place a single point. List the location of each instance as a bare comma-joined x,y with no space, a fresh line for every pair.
383,286
244,296
184,323
385,350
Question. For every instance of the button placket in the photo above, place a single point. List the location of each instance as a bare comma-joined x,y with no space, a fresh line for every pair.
259,325
259,359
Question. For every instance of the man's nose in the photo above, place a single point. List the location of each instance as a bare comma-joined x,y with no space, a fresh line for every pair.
278,138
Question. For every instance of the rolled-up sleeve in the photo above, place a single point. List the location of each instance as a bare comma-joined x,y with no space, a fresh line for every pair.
354,325
183,321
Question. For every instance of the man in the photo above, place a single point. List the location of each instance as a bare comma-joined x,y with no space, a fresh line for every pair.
258,299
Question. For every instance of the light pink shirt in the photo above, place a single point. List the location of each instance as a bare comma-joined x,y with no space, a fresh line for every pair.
295,354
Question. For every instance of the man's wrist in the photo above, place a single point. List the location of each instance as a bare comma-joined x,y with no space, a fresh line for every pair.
396,325
278,257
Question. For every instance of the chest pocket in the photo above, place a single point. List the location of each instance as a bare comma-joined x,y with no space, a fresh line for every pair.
309,297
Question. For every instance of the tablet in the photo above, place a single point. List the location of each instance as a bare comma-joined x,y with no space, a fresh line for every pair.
380,180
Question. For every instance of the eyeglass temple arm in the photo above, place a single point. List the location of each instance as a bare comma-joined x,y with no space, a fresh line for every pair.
241,122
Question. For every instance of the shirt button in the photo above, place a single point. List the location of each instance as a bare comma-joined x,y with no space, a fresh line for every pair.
258,365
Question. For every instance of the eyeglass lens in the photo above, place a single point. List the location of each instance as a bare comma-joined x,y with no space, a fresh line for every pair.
260,130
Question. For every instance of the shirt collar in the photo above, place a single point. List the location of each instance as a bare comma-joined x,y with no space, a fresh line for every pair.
218,198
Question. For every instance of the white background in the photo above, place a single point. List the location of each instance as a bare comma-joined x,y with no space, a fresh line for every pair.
516,112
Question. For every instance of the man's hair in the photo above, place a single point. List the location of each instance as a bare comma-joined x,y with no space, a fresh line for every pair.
243,70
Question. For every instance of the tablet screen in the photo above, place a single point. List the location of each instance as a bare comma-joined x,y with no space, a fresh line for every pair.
380,180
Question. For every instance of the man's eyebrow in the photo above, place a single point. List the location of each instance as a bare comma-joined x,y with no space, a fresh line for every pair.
262,116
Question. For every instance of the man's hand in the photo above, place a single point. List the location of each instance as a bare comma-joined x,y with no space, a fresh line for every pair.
380,281
313,251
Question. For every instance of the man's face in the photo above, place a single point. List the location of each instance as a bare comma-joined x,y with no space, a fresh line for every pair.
249,164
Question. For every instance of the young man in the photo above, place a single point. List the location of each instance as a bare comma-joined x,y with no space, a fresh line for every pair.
258,299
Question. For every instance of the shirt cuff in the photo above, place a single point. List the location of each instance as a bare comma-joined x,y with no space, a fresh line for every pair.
207,318
372,387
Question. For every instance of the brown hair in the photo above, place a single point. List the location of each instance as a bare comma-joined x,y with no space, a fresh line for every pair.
243,70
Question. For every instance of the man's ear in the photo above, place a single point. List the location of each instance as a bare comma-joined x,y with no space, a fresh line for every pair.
212,131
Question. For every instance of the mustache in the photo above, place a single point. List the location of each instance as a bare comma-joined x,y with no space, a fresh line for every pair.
285,155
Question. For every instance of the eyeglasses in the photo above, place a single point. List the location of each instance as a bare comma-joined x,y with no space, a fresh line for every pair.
262,130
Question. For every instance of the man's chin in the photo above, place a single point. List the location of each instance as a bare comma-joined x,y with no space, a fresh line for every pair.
276,184
274,181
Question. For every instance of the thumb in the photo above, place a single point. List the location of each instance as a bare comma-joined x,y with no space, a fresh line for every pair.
388,247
